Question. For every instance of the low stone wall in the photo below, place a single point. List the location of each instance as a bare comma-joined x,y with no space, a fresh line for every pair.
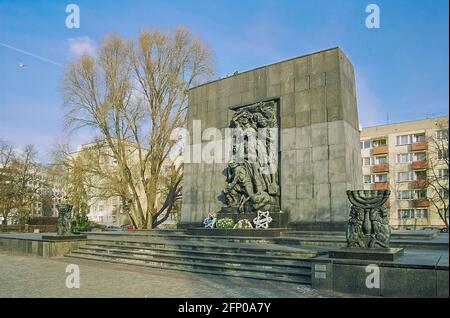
395,279
38,247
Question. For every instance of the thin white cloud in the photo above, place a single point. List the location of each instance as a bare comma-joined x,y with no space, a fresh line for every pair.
81,45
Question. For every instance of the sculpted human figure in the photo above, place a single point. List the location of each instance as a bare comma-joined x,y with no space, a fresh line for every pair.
238,185
355,227
64,219
380,226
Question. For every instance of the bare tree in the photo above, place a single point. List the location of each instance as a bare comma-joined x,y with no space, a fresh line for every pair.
437,175
21,182
7,157
134,93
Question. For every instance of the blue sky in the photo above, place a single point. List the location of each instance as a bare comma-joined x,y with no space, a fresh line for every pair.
401,68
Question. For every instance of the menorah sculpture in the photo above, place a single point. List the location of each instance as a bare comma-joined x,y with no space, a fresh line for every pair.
368,226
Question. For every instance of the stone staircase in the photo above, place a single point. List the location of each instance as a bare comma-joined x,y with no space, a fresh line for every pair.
230,256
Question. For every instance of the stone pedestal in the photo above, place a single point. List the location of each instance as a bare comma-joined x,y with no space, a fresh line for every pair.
372,254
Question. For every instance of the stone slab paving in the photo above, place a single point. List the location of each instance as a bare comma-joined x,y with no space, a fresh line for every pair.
27,276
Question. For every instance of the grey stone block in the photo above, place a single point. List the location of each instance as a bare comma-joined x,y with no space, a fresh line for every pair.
421,283
288,141
337,171
352,279
303,137
303,83
304,155
304,191
303,119
319,134
317,80
320,170
337,151
320,153
303,101
393,282
442,283
273,74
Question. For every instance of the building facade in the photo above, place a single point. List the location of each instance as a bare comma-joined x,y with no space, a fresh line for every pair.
107,209
410,159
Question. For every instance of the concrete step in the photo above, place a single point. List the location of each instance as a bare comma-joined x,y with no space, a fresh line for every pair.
211,262
213,247
219,258
298,276
130,236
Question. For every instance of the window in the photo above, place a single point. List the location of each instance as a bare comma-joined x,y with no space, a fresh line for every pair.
420,156
367,161
442,134
366,144
421,175
413,213
379,142
405,195
419,138
404,140
381,177
405,176
443,173
406,213
443,154
381,160
404,157
421,214
367,179
420,194
100,208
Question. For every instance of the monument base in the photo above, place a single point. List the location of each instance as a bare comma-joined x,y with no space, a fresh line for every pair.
372,254
279,219
272,232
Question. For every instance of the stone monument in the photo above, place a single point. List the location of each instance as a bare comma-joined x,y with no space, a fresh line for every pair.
309,104
64,219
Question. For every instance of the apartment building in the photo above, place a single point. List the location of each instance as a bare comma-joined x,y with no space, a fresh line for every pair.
404,157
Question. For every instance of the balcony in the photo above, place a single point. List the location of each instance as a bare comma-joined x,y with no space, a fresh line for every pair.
419,184
381,186
421,203
380,150
417,146
419,165
380,168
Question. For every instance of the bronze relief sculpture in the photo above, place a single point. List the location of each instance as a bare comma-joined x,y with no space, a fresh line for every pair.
252,175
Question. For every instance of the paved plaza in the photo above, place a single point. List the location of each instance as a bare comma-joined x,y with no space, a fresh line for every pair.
28,276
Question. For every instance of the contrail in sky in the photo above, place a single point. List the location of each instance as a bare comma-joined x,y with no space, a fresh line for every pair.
31,54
